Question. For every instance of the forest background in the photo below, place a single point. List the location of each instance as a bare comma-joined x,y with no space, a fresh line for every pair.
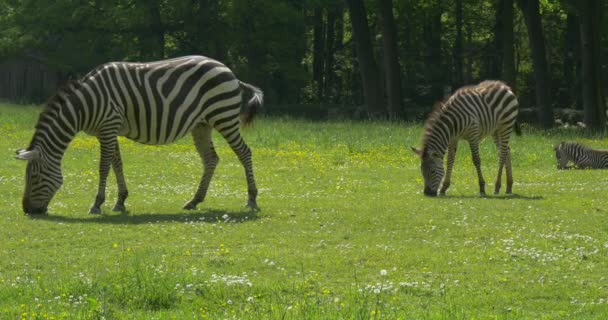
329,58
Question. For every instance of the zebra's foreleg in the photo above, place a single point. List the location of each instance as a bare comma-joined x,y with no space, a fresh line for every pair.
477,162
108,147
204,146
123,193
448,174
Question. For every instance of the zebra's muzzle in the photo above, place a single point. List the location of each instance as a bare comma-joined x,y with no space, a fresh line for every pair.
33,211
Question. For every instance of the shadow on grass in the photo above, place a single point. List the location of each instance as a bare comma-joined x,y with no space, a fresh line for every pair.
208,216
493,197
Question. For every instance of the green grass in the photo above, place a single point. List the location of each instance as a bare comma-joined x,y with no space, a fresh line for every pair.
344,232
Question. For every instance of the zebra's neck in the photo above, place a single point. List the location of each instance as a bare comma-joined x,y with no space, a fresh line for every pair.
58,124
439,133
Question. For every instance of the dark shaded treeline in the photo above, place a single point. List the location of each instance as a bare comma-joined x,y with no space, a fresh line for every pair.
392,58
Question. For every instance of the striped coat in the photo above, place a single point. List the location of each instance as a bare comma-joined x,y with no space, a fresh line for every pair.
471,113
152,103
580,155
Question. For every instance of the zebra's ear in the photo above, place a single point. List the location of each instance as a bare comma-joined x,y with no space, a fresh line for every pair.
417,151
27,155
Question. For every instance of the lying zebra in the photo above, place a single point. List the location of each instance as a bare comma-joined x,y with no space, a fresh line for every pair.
581,155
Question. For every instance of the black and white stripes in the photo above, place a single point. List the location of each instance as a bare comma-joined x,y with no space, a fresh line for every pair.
152,103
582,156
471,113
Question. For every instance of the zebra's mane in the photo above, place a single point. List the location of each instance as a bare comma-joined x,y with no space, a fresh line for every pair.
54,103
438,109
65,90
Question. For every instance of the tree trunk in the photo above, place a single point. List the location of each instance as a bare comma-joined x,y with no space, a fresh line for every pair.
329,72
207,42
435,73
391,58
593,96
508,53
152,42
339,52
318,51
458,80
370,75
531,12
572,52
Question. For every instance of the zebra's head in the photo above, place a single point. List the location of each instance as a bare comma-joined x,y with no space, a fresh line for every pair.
561,155
431,166
42,180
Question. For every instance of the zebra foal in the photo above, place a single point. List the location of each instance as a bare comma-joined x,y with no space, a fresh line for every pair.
151,103
471,113
582,156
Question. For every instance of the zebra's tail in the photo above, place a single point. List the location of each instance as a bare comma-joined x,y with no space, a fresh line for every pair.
517,128
250,108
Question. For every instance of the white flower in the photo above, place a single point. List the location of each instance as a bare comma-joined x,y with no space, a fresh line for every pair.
383,272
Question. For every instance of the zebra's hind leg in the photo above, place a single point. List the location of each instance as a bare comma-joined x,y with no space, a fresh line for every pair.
509,172
107,143
501,163
201,135
123,193
238,145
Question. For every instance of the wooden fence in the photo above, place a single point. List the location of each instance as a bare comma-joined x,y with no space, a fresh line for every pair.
28,81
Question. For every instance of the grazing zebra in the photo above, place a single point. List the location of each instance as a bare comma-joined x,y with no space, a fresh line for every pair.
471,113
581,155
151,103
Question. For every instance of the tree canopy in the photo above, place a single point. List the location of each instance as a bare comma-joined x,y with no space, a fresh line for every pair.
391,56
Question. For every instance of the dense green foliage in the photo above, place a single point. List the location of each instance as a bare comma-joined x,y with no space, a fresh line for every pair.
344,232
300,51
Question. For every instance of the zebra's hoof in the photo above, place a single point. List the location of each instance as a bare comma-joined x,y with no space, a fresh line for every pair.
252,206
119,208
189,206
95,210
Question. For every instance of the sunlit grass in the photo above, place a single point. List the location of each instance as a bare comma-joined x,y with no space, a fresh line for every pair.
344,232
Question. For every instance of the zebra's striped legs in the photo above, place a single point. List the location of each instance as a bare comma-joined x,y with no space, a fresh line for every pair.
201,135
108,145
504,160
509,172
448,174
243,152
477,162
123,193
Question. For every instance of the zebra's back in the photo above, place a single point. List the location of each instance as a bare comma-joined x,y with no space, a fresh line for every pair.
488,106
159,102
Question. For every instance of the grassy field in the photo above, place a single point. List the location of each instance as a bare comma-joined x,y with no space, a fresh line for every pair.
344,232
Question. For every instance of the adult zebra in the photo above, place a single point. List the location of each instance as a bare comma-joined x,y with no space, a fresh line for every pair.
581,155
471,113
151,103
